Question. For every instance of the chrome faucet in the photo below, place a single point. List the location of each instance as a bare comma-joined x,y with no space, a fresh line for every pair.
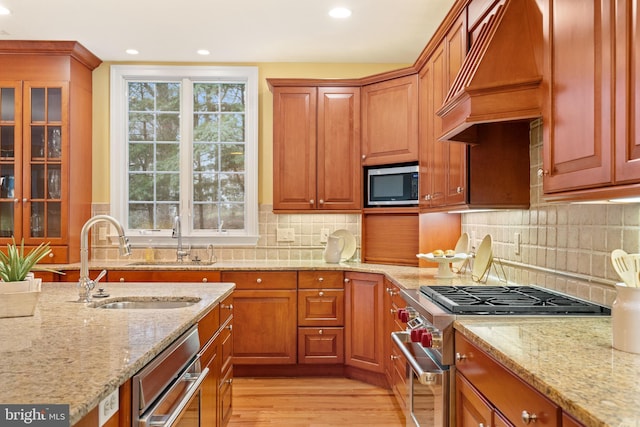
177,234
85,284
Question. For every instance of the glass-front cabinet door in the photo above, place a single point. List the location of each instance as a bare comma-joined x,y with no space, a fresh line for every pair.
10,159
45,143
33,141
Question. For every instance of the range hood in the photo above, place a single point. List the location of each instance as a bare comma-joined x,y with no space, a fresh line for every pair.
500,78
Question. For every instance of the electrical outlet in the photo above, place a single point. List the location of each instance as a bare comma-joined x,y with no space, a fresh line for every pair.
516,243
285,235
324,235
107,407
102,233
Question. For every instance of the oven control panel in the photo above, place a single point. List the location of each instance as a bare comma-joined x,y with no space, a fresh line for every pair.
421,331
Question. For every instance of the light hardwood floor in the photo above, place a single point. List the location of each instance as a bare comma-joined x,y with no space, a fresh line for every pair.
312,402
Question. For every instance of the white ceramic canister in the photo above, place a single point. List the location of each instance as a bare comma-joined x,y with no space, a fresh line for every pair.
625,319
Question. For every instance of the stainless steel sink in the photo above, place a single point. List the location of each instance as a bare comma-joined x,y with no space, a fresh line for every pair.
147,303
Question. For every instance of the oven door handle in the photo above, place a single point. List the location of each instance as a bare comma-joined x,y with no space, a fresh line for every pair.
427,371
167,420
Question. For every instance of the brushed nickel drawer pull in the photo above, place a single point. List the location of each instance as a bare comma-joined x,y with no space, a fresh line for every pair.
528,418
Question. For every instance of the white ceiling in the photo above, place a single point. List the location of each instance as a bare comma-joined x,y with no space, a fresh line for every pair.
379,31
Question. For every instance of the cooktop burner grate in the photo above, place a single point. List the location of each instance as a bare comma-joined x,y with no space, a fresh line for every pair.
508,300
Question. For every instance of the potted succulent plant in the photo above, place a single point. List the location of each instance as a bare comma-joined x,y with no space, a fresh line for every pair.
19,290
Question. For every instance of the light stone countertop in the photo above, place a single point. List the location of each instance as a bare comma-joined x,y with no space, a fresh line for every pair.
570,360
71,353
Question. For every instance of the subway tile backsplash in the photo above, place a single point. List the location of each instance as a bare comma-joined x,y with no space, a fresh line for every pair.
565,247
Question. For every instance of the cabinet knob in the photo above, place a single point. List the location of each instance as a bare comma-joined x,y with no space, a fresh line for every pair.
321,201
311,201
122,279
427,197
364,156
229,381
346,280
528,418
16,200
395,357
320,279
320,332
321,294
459,190
228,307
258,280
25,200
393,312
205,280
542,172
460,357
230,327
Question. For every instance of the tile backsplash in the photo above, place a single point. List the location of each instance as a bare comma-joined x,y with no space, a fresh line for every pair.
563,246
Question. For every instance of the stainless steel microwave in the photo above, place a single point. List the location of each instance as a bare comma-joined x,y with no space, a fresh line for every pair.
392,185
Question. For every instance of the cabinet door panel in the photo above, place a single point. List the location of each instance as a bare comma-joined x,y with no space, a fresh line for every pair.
265,327
390,121
294,142
578,111
320,345
339,177
320,307
364,345
472,410
627,131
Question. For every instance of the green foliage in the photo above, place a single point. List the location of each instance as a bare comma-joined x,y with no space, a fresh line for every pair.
15,265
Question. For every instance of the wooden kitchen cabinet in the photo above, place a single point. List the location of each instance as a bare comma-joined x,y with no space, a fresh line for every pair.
265,317
320,317
316,146
364,337
591,138
395,363
390,236
485,380
390,121
443,166
124,275
45,141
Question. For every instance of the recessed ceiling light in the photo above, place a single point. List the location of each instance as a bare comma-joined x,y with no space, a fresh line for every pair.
203,52
340,12
132,51
4,11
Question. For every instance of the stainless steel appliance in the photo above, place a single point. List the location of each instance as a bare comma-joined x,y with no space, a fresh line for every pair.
391,185
428,345
167,391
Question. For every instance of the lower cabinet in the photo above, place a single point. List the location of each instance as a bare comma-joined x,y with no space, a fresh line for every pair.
265,317
395,364
489,394
364,338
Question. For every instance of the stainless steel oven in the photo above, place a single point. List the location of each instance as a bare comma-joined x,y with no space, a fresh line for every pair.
427,343
167,392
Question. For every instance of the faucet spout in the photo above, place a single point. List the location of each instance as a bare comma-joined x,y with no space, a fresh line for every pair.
85,284
177,234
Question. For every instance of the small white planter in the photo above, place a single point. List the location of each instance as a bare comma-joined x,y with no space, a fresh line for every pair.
19,299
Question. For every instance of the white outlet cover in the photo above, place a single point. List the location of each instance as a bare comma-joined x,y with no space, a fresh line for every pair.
107,407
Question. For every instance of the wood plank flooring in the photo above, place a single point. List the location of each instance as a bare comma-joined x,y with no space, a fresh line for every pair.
312,402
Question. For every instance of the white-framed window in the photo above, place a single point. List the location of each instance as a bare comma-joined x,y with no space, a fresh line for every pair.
184,142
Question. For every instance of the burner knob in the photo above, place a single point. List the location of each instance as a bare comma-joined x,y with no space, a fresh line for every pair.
416,334
403,315
426,339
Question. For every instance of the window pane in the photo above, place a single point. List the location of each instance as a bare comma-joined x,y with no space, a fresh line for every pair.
168,96
168,187
206,97
205,216
168,157
141,157
232,187
205,157
141,186
205,127
141,96
232,158
232,215
168,127
141,127
205,187
232,128
233,97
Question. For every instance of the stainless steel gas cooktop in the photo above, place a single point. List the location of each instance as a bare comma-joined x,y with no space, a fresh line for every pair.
502,300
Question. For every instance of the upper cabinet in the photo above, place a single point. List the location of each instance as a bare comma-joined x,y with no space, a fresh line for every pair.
591,133
316,148
45,127
390,121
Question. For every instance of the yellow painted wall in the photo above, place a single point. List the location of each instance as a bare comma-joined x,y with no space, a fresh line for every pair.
101,167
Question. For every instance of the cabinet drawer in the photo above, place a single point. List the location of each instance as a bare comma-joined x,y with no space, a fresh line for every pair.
262,279
320,279
225,348
208,326
320,307
508,393
320,345
162,276
226,309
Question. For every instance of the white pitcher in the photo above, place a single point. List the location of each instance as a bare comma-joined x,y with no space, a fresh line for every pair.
333,250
